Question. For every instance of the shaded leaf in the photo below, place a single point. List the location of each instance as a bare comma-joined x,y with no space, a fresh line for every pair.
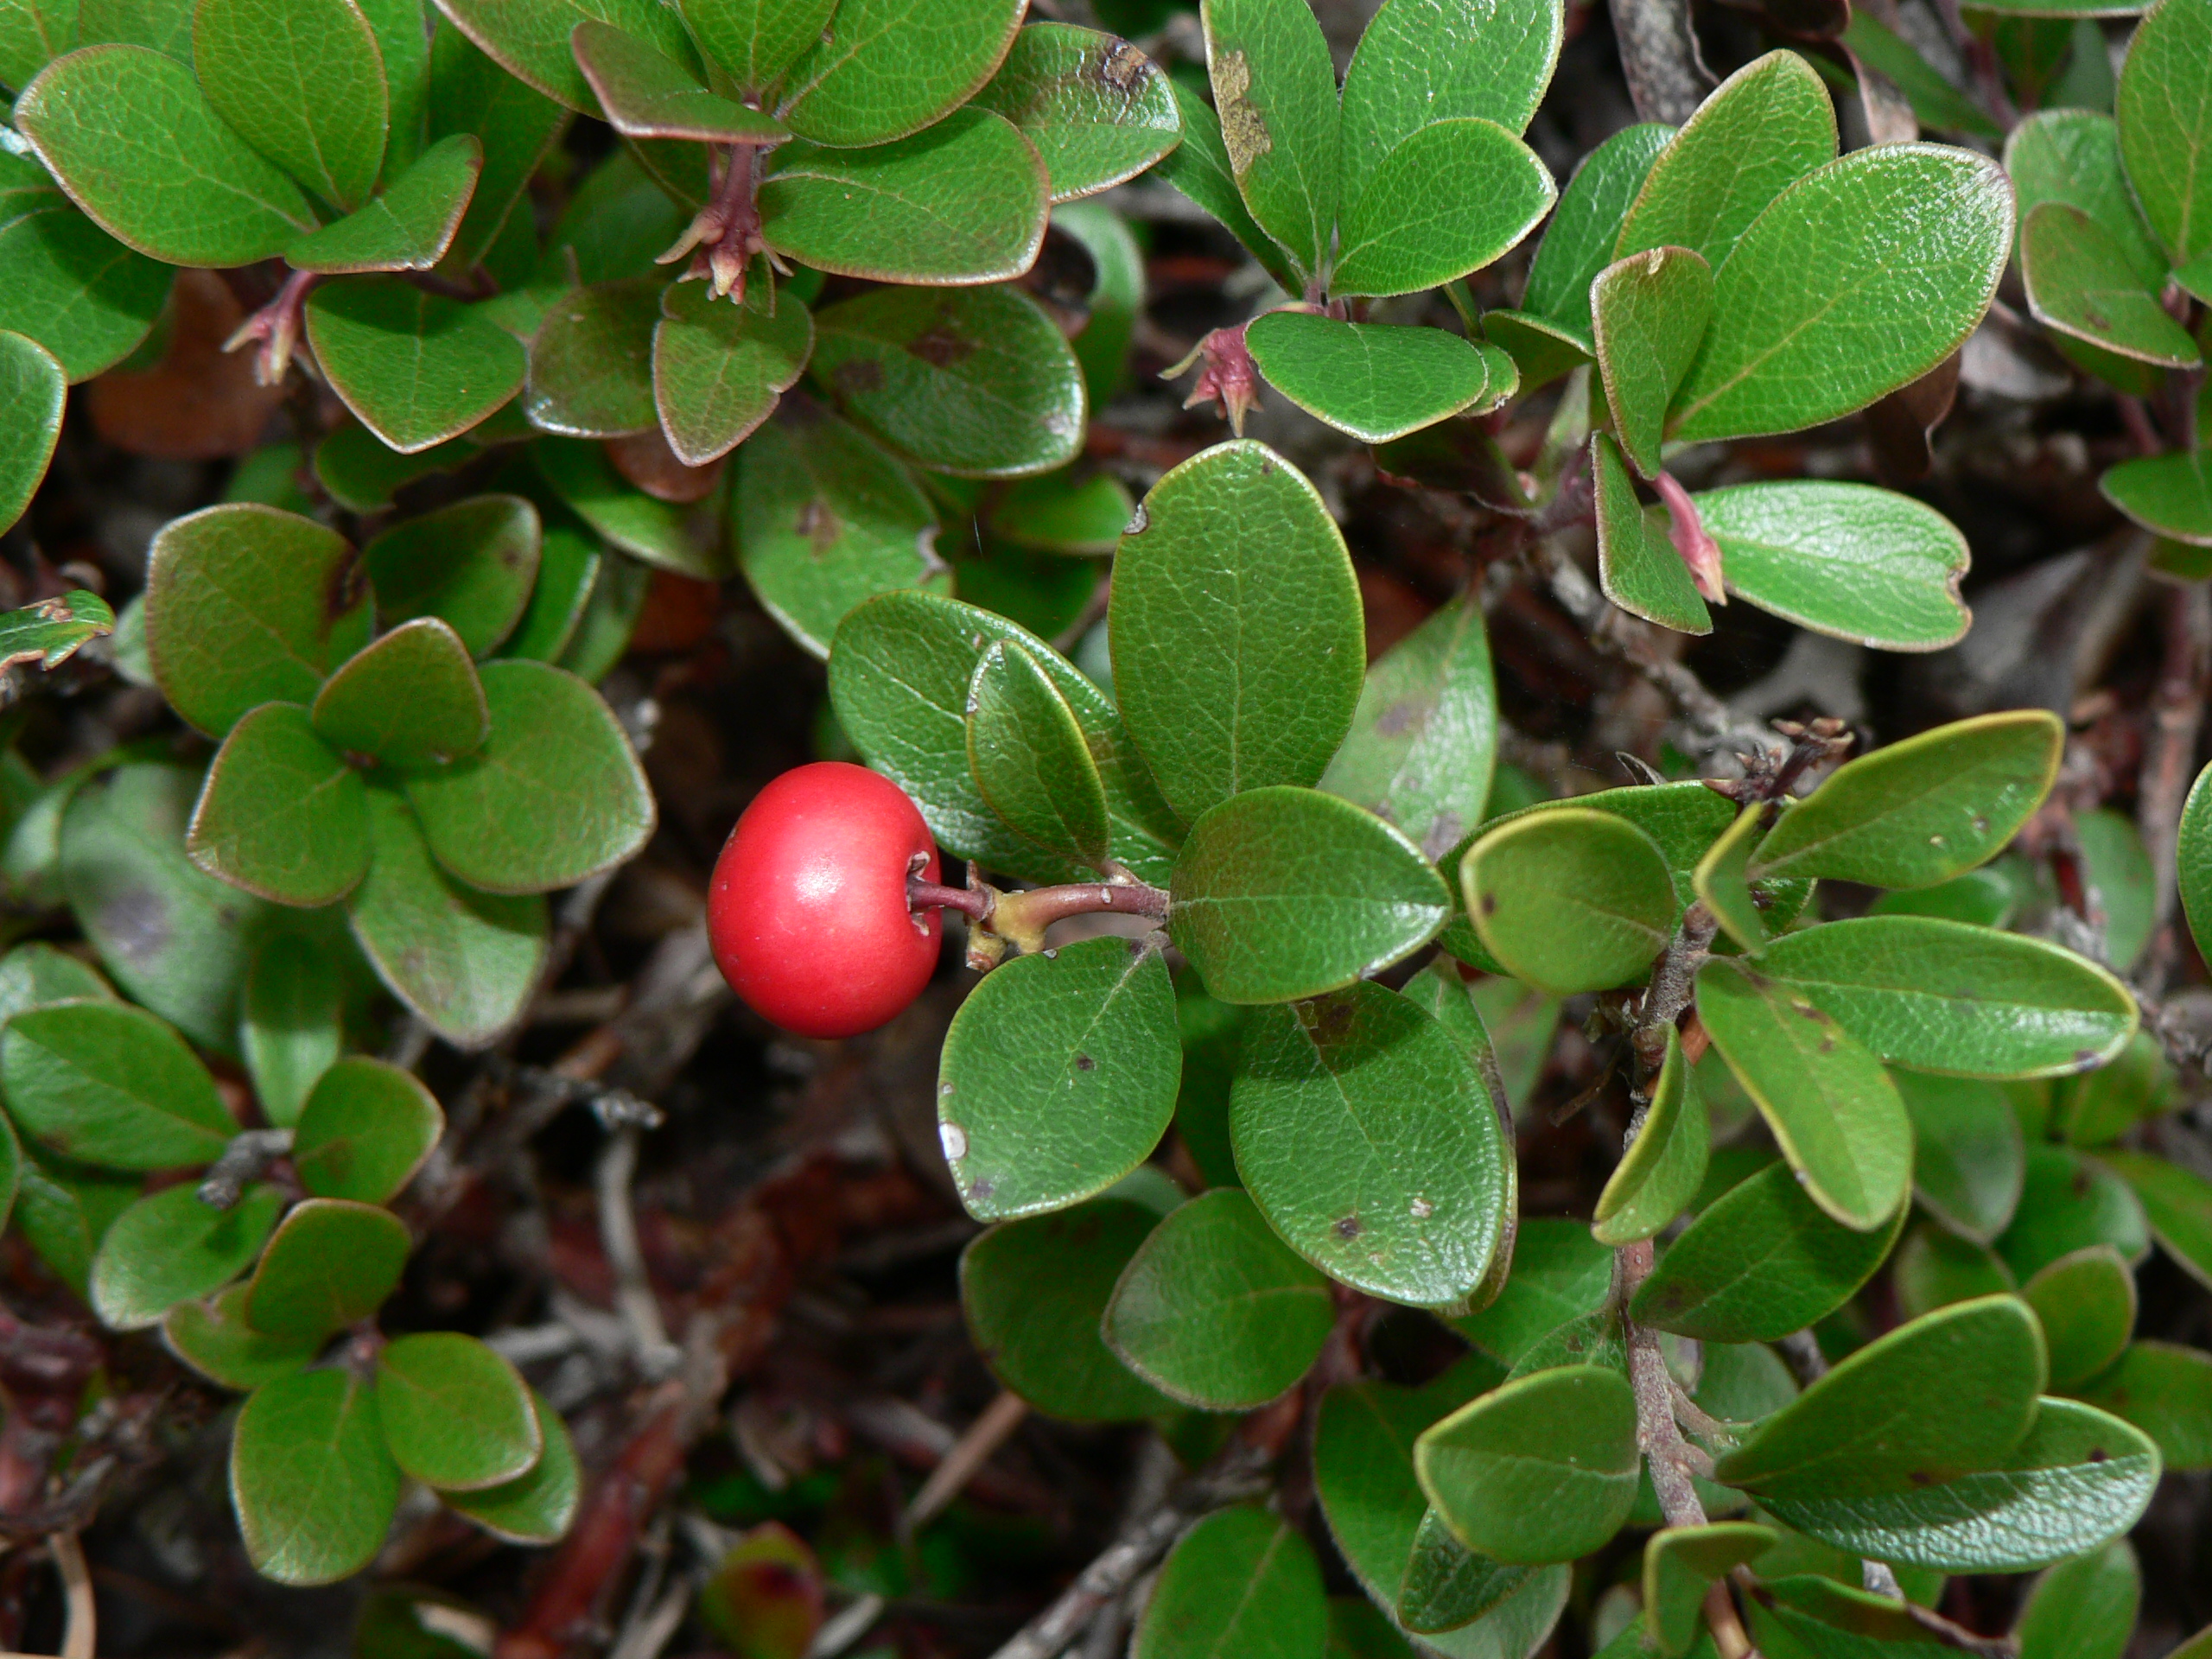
169,1247
1638,567
1279,1611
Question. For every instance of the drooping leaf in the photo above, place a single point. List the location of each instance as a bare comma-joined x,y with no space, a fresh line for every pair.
1280,1611
882,69
718,369
1447,200
415,367
535,1508
289,1030
647,94
1276,93
2081,281
366,1128
410,224
331,1264
1098,109
105,1083
1648,316
1542,1468
1660,1173
1570,900
303,82
1376,382
213,1339
1638,567
1029,758
2164,107
313,1488
76,290
170,1246
455,1415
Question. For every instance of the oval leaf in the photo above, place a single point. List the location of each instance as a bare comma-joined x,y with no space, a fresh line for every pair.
105,1083
313,1488
1570,900
455,1415
1543,1469
283,815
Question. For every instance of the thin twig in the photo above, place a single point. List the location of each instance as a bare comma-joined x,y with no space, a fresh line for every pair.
618,1234
80,1636
969,1453
1669,1456
243,1162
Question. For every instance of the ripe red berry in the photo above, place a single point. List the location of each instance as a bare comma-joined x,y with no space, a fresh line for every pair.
808,914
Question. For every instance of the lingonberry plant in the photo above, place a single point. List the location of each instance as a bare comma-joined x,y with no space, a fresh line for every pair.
1464,1202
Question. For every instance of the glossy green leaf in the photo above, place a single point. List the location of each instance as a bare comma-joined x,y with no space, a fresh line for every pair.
1236,628
415,367
455,1415
1768,126
303,82
1579,241
718,369
1449,1587
898,679
532,42
1203,170
1447,200
1648,315
2085,1302
2077,1480
365,1129
170,1246
2081,281
535,1508
2166,1390
1921,811
131,139
1214,1310
1368,1141
466,961
2072,155
246,606
647,94
213,1339
1377,382
555,795
313,1486
591,363
1570,900
1279,1612
1276,93
331,1264
283,815
1543,1469
290,1026
33,976
1760,1261
662,534
76,290
2164,107
2171,494
1030,761
109,1084
1845,559
1424,736
36,389
964,202
32,33
2069,1202
52,631
882,69
516,124
1660,1173
755,42
972,381
2084,1608
1638,567
411,699
1856,280
1968,1159
1934,98
1419,63
1034,1292
2178,1203
1098,110
1679,1562
410,223
1282,894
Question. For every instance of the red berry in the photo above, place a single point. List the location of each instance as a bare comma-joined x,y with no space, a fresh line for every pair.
808,914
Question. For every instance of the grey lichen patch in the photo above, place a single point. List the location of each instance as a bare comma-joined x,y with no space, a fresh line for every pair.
1244,129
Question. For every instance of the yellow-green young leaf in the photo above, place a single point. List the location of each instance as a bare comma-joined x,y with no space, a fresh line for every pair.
71,286
32,33
1542,1468
470,93
1421,62
104,1082
1201,169
411,699
1947,1395
1034,1292
1967,1156
963,202
1237,636
291,1027
718,369
410,224
169,1247
1058,1077
282,815
213,1339
1924,811
1214,1310
313,1486
2178,1203
1276,93
532,42
1367,1138
331,1265
1638,567
976,381
2066,1203
1648,316
1760,1261
1586,227
246,605
466,961
1856,280
555,795
1847,560
1659,1175
1948,997
1098,110
2171,494
304,83
1828,1100
898,679
536,1507
365,1129
885,68
1279,1610
1029,758
1448,201
1281,894
2082,282
2166,1390
1570,900
1448,1587
1073,511
754,42
2085,1302
647,94
415,367
130,135
1424,738
35,389
2165,108
2084,1608
456,1415
1722,887
591,362
2072,155
1680,1562
2079,1479
1377,382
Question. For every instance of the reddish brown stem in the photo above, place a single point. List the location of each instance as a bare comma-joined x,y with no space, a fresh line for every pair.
972,903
